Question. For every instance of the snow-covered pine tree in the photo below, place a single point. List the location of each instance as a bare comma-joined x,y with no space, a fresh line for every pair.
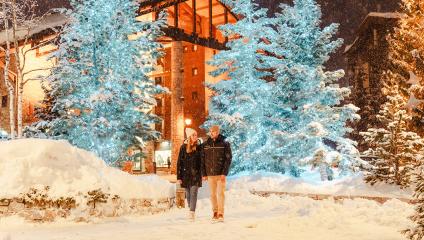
310,118
407,55
394,151
44,113
417,232
104,95
239,104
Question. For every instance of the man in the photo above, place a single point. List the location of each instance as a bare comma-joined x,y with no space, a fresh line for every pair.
168,162
216,161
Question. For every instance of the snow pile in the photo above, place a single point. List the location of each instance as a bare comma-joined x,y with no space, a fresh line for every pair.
310,183
69,171
247,217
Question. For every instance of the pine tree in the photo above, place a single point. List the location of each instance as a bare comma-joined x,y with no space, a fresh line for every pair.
407,55
240,102
394,151
310,118
104,96
417,232
44,114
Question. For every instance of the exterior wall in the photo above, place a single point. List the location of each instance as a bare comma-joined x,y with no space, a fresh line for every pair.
33,93
192,89
366,66
4,105
194,86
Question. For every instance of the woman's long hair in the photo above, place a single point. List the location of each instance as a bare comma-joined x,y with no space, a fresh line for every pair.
191,145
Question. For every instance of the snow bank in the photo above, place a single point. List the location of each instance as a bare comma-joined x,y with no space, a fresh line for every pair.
247,217
310,184
69,171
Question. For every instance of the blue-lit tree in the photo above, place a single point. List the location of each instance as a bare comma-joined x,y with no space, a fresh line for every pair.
240,102
309,114
104,96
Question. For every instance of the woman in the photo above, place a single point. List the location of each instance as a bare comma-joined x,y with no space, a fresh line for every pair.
188,169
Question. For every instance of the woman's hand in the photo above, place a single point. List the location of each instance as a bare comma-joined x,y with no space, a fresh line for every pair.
205,178
179,182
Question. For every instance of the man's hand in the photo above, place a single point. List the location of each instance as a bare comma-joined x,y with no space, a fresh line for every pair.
223,178
179,182
205,178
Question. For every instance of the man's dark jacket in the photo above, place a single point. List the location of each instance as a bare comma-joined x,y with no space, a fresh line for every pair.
216,157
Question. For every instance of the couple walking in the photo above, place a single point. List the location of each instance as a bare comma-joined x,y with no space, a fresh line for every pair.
209,161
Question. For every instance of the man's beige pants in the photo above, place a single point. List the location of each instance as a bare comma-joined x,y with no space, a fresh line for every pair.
217,188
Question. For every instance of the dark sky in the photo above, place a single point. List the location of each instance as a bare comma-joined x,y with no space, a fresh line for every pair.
348,13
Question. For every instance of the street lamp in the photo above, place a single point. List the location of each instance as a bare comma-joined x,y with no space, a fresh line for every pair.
187,121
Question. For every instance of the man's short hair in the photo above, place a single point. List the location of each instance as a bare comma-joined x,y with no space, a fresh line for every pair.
214,128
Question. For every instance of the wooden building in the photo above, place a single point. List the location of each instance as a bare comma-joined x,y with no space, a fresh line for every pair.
191,38
368,58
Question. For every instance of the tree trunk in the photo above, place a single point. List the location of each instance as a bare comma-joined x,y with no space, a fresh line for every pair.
9,85
19,78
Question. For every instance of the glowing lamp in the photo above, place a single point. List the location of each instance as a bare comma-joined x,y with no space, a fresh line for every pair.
187,122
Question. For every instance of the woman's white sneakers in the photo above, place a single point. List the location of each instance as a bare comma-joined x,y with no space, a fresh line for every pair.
191,216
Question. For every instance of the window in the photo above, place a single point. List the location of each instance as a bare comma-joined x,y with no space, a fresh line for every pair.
194,96
4,101
158,80
195,71
194,48
365,76
159,102
375,35
185,48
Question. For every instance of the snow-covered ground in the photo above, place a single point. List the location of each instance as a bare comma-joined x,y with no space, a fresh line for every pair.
68,170
247,217
310,183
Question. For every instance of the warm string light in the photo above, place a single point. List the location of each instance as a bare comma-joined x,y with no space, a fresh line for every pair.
279,125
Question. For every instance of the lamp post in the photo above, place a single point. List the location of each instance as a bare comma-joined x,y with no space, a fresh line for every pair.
187,122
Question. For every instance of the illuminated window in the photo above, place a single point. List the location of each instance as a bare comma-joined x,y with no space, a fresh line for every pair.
195,71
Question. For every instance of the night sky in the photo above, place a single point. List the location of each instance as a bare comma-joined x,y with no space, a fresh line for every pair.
348,13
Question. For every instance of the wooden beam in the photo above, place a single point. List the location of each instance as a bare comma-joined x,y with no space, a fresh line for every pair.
162,6
219,15
229,10
226,22
176,15
194,16
206,7
210,19
179,35
147,3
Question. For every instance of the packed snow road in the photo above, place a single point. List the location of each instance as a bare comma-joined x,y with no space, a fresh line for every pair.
247,217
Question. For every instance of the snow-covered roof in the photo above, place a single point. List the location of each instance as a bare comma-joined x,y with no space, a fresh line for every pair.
372,17
51,21
385,14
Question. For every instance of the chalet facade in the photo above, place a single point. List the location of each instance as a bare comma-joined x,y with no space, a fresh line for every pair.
368,58
191,38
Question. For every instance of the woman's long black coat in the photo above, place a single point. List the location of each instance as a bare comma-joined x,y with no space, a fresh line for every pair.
188,167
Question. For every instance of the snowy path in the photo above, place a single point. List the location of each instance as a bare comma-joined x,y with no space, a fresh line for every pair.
247,217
